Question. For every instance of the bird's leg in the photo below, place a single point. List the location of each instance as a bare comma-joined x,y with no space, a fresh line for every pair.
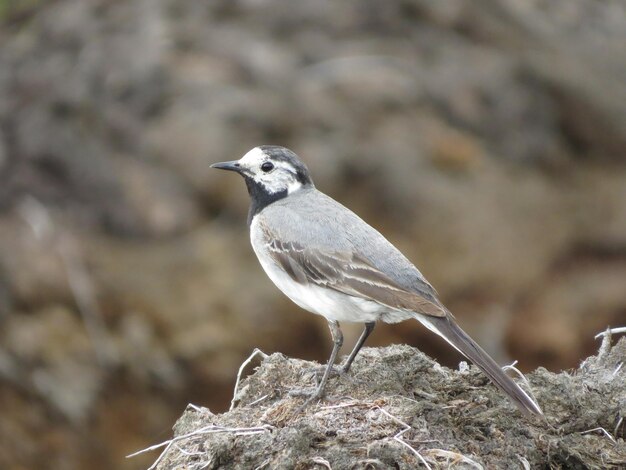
337,336
369,327
337,343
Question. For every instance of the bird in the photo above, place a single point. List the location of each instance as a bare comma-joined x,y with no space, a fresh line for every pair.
329,261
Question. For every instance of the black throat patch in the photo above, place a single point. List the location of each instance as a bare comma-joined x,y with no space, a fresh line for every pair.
260,197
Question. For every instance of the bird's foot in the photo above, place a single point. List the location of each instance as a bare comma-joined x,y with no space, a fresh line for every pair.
310,395
319,371
344,369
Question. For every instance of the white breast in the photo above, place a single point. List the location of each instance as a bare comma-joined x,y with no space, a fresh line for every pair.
329,303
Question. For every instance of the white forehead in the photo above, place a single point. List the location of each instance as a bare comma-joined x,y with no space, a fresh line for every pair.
254,156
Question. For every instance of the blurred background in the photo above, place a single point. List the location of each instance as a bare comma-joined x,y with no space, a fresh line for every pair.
487,140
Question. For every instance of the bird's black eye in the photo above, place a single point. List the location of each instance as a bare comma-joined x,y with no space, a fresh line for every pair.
267,167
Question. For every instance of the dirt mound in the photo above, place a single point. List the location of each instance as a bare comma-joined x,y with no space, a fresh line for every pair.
400,409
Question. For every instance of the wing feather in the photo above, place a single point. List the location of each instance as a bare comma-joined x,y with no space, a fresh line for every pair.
346,272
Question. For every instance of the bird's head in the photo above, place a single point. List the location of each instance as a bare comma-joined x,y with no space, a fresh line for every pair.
270,171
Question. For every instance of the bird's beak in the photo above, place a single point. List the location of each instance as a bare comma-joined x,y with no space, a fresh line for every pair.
230,166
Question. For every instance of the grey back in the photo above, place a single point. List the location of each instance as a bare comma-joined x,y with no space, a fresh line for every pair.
313,219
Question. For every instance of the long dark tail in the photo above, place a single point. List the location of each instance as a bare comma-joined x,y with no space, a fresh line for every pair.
453,334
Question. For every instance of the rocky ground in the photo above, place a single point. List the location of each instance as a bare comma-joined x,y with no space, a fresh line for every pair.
399,409
487,141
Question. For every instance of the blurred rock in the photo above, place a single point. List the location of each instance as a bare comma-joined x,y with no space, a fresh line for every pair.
486,141
52,354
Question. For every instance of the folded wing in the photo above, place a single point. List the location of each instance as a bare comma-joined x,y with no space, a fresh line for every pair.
348,273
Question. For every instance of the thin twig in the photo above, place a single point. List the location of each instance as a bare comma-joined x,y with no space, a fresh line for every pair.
604,431
611,331
345,405
524,462
263,465
417,454
619,423
160,457
321,461
519,373
398,436
184,452
210,429
197,408
259,400
605,345
256,352
397,420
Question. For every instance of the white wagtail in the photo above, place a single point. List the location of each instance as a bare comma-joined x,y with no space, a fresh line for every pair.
329,261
